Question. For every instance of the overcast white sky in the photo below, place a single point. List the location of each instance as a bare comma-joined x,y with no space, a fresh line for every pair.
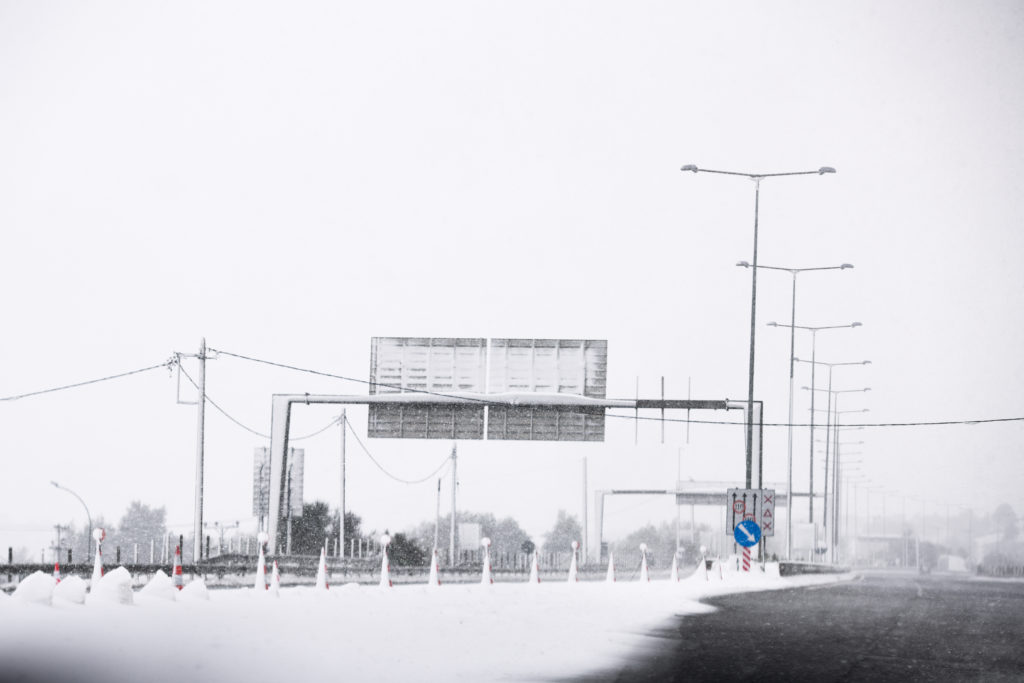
289,180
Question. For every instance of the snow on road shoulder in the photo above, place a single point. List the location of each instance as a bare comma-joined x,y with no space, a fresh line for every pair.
504,631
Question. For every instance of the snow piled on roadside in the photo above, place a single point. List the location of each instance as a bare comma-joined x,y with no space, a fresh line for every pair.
504,631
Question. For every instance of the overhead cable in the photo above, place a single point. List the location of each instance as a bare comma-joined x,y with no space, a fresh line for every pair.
382,469
165,364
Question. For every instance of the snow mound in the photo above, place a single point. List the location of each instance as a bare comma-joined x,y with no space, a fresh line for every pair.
36,587
114,588
159,587
71,589
195,590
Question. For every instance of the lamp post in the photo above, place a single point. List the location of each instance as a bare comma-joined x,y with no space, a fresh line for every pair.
831,392
757,178
88,539
814,341
792,351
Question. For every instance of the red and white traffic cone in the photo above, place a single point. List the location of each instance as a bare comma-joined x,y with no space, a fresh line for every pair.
179,580
644,574
674,576
385,565
487,579
610,576
56,571
321,572
435,571
535,567
574,572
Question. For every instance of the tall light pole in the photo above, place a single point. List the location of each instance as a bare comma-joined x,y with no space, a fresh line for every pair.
828,415
831,392
837,492
792,352
88,538
757,178
814,342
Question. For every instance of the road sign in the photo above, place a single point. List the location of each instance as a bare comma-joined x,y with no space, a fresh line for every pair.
757,505
747,533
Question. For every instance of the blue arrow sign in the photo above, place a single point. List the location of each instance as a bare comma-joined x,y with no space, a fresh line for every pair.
747,533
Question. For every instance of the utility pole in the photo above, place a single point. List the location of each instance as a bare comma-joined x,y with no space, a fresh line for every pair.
197,549
455,485
341,527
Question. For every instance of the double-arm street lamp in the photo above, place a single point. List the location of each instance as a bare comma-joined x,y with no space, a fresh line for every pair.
814,342
833,392
757,178
792,351
88,538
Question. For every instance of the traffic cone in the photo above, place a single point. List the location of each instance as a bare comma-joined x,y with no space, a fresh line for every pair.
321,572
56,571
385,565
179,581
674,576
261,572
435,572
275,581
610,576
535,568
574,573
644,574
487,579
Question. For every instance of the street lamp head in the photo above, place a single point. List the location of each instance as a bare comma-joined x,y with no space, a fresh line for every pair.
845,266
855,324
867,362
55,484
826,169
743,264
689,167
773,324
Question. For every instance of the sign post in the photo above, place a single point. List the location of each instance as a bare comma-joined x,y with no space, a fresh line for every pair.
747,533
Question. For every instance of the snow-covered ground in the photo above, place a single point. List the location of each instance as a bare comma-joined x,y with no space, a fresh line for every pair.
420,633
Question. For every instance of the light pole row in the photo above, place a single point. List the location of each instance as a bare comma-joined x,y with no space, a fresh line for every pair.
792,352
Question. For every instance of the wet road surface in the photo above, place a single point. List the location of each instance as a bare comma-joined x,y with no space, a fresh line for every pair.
878,627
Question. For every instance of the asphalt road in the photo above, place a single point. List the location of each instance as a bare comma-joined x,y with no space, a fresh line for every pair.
878,627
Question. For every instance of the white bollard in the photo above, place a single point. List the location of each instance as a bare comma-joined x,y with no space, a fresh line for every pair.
385,566
574,573
486,579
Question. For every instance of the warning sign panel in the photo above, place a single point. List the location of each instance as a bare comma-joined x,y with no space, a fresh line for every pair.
757,505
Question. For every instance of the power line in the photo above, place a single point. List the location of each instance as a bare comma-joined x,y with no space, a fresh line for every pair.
351,379
627,417
250,429
165,364
381,467
807,424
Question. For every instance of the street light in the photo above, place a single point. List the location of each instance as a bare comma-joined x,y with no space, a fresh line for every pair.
828,416
757,178
835,449
88,538
792,351
814,342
